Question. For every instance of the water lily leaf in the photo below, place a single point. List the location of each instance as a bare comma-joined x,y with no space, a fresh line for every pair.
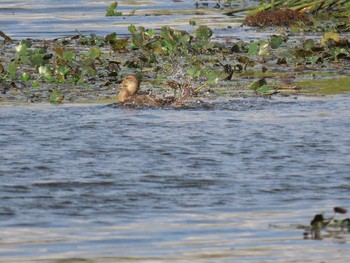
137,40
309,44
132,29
203,31
253,48
45,72
63,70
150,32
25,77
35,84
275,41
213,77
111,38
257,84
264,49
22,47
330,35
36,60
111,10
12,69
263,89
56,97
68,55
194,72
121,44
94,52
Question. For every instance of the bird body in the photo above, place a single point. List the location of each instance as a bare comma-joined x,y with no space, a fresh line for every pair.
128,95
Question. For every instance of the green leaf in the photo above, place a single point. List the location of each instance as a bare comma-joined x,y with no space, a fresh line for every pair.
36,60
132,29
309,44
111,38
56,97
12,69
204,32
94,52
22,47
68,55
45,72
35,84
330,35
194,72
275,41
62,70
253,48
263,89
257,84
111,10
25,77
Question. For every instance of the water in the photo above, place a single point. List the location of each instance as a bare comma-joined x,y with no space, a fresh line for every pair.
45,19
107,184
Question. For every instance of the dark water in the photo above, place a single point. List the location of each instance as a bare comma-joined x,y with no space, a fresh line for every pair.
109,184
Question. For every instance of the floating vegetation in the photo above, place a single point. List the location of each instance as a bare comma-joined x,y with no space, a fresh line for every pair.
276,17
321,224
111,10
171,61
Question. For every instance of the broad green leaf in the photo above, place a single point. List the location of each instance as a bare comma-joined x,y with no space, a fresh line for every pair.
275,41
94,52
22,47
263,89
203,31
132,29
35,84
330,35
12,69
36,60
111,10
25,77
253,48
68,55
257,84
308,44
56,97
45,72
111,38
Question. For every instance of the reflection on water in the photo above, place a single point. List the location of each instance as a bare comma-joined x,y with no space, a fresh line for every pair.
110,184
51,18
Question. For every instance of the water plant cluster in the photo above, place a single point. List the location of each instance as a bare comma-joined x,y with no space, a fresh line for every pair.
172,59
320,224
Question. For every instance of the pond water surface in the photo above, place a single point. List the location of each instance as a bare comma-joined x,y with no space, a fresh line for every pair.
101,183
43,19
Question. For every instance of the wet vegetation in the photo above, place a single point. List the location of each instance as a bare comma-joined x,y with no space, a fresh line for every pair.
321,226
191,64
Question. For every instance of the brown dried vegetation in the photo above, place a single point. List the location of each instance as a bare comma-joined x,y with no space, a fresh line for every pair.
278,17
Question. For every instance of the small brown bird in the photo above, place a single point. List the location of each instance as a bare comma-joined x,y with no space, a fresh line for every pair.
128,95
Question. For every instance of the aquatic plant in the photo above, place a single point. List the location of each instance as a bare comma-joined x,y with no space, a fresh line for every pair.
320,223
111,10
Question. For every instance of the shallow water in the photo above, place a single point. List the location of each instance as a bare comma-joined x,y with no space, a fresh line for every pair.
229,184
46,19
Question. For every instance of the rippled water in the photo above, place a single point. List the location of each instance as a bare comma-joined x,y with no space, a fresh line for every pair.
44,19
109,184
